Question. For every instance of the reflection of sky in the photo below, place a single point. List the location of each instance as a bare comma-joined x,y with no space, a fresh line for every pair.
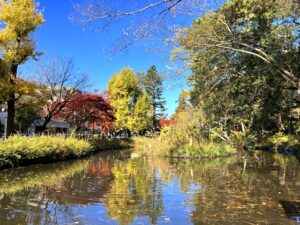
178,207
82,214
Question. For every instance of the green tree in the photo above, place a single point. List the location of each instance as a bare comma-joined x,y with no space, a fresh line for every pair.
19,18
244,58
153,84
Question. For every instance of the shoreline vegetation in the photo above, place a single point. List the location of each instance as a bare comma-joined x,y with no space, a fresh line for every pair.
21,150
158,146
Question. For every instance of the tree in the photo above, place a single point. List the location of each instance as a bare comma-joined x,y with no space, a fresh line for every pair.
154,88
87,108
61,81
253,28
25,117
122,88
144,20
19,19
183,101
141,120
245,67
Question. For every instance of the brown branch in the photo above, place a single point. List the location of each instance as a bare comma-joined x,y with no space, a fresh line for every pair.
138,11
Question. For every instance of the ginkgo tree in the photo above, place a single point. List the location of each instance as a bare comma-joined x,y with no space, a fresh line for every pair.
19,19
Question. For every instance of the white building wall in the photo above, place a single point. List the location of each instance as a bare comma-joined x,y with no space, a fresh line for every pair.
3,120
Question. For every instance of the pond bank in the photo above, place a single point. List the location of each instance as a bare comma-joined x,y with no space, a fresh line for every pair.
160,147
20,150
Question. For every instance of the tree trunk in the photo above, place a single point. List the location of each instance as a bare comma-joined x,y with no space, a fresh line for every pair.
12,100
44,125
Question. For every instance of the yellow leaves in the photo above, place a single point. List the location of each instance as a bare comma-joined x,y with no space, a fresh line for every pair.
20,18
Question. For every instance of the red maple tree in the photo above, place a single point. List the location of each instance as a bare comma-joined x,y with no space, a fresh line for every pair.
88,108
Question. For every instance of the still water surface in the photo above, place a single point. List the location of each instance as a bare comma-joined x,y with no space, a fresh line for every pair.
112,188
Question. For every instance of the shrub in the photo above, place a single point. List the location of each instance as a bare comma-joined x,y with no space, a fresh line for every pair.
163,146
21,149
210,150
281,141
112,143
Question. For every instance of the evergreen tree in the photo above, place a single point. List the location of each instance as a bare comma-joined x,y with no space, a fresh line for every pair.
153,84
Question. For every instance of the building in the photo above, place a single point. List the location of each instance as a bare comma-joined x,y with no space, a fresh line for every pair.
3,119
54,126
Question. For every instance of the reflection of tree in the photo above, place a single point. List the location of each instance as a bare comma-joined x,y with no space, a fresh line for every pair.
39,176
134,192
25,198
231,196
85,188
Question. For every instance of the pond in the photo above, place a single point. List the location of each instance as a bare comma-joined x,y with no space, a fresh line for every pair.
114,188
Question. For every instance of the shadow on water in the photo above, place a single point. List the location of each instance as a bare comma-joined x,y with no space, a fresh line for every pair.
112,188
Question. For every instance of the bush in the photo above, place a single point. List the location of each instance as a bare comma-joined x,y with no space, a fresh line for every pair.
112,143
281,141
20,149
210,150
164,147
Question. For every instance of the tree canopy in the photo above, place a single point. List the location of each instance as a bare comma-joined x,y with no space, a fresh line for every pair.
244,61
19,19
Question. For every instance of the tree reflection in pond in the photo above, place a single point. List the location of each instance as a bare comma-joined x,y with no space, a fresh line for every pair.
135,191
113,189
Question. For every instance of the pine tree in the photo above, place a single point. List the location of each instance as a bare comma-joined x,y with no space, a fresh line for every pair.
153,84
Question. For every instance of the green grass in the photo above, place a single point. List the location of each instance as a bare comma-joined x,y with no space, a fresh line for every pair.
21,150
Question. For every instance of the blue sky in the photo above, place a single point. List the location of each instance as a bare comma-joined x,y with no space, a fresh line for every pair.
60,38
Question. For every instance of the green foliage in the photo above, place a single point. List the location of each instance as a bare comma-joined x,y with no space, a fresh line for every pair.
165,146
112,144
281,141
21,149
210,150
153,84
25,117
244,61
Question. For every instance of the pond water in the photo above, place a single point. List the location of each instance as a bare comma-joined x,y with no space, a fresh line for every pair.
112,188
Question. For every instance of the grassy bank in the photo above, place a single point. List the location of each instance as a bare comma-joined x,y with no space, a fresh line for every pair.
164,147
21,150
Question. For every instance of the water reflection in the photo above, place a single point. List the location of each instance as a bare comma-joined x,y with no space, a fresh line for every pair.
111,188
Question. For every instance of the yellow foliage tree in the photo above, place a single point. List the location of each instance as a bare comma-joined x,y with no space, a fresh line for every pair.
19,18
